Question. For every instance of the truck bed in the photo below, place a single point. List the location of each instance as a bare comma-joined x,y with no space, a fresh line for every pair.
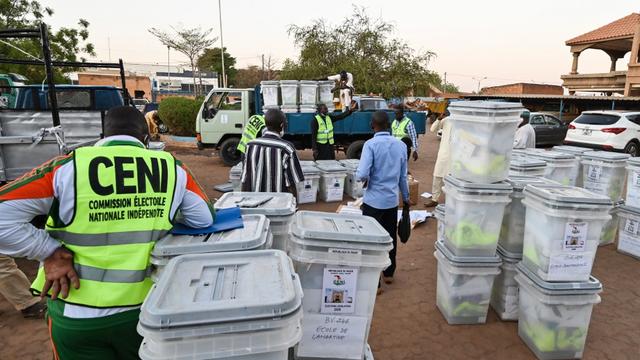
358,123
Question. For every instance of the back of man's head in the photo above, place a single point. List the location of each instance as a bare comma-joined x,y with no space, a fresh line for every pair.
380,121
126,120
274,120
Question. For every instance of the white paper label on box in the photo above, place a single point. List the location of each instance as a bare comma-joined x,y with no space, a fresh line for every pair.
307,196
594,172
575,236
631,227
561,265
345,251
339,286
633,192
629,239
335,194
332,336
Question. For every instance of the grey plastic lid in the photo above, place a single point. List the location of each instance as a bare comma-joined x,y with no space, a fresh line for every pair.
269,82
629,209
289,82
606,156
469,187
507,255
591,286
266,203
308,82
310,170
485,105
566,194
237,170
440,209
307,163
519,162
468,261
338,227
633,161
551,155
328,168
201,289
518,182
573,150
253,235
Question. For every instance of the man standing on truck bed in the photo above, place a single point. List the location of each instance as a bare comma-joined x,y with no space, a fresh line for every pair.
322,133
253,129
108,204
403,127
345,85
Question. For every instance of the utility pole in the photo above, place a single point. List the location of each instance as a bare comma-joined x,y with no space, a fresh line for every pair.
109,46
168,67
262,66
224,77
445,81
479,80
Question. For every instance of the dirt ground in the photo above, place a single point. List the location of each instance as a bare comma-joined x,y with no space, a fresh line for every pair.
407,324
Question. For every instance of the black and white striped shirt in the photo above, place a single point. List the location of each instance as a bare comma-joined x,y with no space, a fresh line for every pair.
271,165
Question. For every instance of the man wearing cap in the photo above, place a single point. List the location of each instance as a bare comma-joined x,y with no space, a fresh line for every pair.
525,135
107,205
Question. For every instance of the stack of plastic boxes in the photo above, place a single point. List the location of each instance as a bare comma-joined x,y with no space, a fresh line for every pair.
332,180
629,214
561,167
481,148
325,94
235,176
233,306
339,258
352,186
289,95
254,235
308,96
562,232
277,207
269,90
308,189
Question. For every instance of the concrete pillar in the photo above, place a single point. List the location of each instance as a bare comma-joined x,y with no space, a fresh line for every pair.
635,48
574,66
614,60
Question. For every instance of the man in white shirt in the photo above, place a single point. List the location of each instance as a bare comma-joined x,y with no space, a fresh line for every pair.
525,135
345,85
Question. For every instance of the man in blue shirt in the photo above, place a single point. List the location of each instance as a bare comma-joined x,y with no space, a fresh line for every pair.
383,169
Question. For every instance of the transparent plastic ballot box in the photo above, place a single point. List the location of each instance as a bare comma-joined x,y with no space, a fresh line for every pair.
332,180
561,167
604,172
289,93
504,296
554,317
308,93
526,166
236,305
464,283
563,226
633,182
277,207
269,90
339,258
577,152
439,214
254,235
482,135
235,176
307,190
629,231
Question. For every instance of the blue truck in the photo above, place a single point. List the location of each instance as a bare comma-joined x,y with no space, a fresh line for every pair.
224,113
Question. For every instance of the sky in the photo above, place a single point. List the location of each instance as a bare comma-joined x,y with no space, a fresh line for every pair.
505,41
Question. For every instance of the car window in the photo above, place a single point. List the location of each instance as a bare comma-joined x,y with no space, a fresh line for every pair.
634,119
4,86
73,99
373,104
231,101
552,121
597,119
537,120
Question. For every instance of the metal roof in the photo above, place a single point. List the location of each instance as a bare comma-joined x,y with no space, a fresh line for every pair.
554,97
621,28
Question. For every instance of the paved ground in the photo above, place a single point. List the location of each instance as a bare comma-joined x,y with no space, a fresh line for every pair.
406,323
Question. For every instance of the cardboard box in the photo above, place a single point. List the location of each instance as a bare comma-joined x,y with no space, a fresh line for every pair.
414,192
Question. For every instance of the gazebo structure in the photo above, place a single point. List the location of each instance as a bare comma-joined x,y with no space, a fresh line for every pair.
616,39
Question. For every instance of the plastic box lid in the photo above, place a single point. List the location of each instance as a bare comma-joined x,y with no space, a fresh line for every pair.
331,168
605,156
237,169
566,194
338,227
551,155
518,182
310,170
308,82
633,161
519,162
218,288
440,209
289,82
486,111
508,255
466,186
251,236
270,83
573,150
591,286
266,203
468,261
307,163
628,210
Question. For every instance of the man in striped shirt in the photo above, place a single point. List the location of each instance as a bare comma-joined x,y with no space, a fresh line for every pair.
271,163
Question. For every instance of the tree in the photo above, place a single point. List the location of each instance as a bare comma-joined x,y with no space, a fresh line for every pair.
365,47
450,88
249,77
210,60
67,44
190,42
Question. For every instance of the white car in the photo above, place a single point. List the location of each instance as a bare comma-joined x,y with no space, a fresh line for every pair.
606,130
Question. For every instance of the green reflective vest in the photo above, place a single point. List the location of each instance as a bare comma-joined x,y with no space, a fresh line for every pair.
399,128
325,130
251,130
123,197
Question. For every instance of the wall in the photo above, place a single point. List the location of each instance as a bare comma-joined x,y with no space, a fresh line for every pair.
523,88
133,82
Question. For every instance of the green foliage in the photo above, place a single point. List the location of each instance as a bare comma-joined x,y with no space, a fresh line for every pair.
365,47
450,88
67,44
249,77
211,60
179,114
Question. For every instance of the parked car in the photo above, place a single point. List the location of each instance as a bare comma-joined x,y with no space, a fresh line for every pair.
549,129
607,130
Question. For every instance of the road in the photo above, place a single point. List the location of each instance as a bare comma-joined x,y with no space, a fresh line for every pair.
407,324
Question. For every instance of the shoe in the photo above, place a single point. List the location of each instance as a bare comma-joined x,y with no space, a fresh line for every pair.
35,311
387,279
380,291
431,203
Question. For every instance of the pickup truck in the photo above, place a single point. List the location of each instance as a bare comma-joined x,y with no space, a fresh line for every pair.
224,113
8,90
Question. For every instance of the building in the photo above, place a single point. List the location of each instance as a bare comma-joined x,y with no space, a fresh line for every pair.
616,40
137,85
523,88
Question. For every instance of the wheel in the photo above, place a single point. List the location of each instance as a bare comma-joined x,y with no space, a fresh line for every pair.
229,151
632,149
355,149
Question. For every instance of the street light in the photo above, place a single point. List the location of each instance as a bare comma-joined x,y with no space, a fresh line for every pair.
479,80
168,68
224,78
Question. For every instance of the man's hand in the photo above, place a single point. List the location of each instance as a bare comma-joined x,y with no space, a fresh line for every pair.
415,156
406,204
59,273
315,154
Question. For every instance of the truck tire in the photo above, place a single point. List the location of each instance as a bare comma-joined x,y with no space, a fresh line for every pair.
355,149
229,151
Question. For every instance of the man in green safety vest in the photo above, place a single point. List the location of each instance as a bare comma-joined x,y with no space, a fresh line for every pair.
322,140
252,130
402,128
107,205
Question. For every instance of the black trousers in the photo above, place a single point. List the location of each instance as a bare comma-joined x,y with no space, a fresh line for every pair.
325,152
388,218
